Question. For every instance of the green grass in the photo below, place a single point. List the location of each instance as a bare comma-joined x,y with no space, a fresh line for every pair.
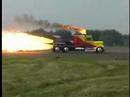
71,75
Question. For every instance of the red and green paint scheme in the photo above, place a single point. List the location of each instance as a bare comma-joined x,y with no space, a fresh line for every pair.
86,41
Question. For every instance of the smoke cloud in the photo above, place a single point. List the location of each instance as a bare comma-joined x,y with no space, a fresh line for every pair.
28,23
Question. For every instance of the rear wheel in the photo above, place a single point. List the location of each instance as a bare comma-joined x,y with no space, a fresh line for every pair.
99,50
56,49
65,49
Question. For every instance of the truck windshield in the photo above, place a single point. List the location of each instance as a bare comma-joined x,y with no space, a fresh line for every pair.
75,32
89,37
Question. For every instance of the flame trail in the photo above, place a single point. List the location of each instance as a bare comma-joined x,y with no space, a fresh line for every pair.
15,41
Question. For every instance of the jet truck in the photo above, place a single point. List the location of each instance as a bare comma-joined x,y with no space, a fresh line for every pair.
79,40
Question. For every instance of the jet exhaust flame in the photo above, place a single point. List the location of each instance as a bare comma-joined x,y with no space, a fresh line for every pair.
15,41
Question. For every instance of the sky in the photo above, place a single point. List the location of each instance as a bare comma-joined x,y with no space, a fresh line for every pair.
90,14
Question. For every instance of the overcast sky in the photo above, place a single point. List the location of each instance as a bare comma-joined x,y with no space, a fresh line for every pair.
91,14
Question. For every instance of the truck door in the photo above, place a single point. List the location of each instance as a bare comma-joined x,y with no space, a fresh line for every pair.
78,40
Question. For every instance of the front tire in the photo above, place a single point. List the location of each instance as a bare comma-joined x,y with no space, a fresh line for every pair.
99,50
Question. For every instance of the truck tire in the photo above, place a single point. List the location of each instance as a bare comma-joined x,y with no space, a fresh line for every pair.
99,50
56,49
65,49
85,50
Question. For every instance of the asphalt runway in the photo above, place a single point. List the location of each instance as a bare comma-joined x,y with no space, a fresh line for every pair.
123,55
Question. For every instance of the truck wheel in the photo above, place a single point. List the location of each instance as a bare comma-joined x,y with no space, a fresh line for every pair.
56,49
65,49
85,50
99,50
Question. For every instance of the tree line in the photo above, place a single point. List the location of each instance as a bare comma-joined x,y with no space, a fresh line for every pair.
110,37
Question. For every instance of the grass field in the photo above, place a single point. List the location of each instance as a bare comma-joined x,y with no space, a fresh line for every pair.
74,74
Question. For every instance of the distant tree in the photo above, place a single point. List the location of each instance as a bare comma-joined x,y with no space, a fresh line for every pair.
126,40
41,32
112,37
38,32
